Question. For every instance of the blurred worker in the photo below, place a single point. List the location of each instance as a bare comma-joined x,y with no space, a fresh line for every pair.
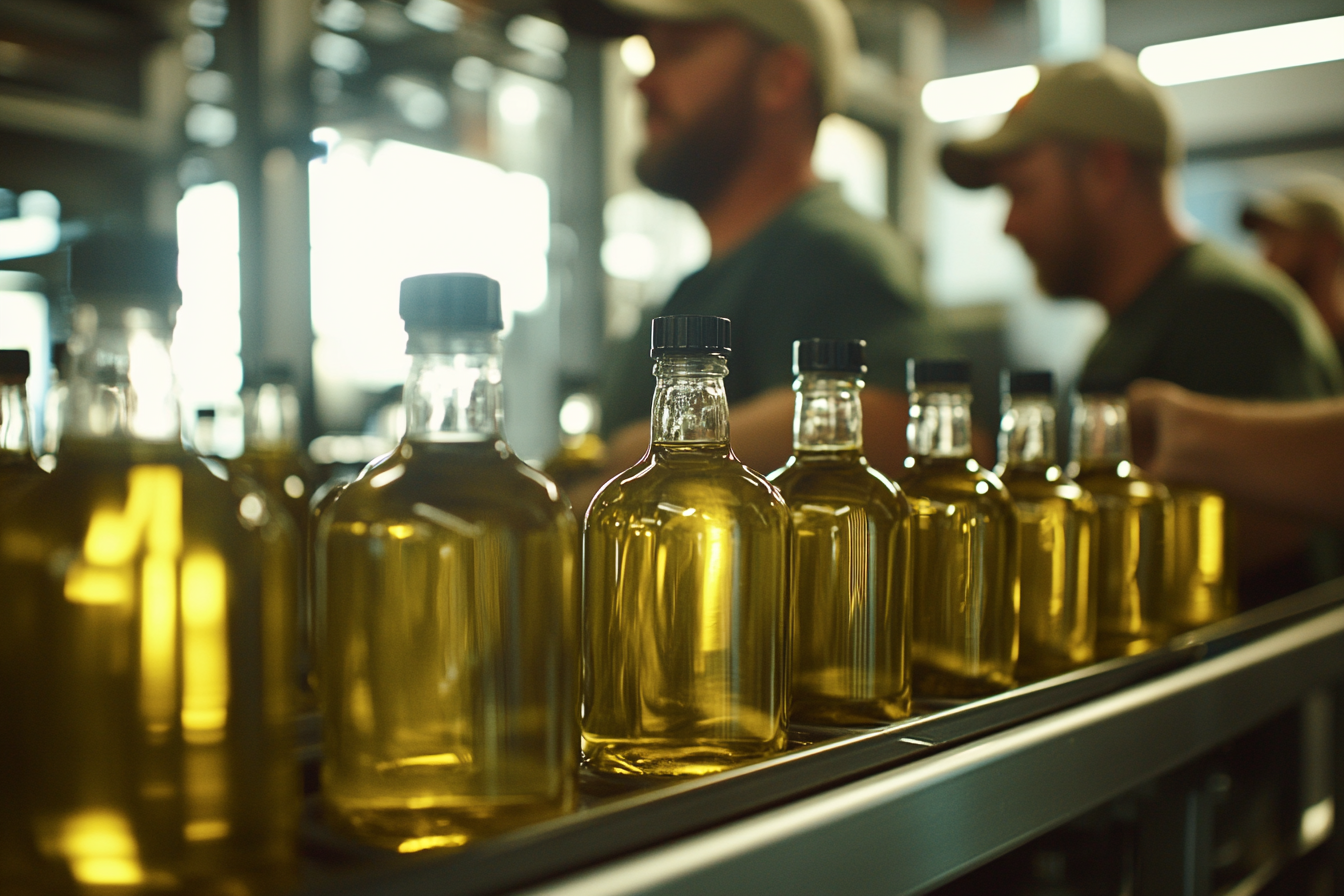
1282,456
734,101
1087,159
1301,232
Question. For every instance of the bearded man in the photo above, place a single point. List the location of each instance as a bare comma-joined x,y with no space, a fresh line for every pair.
1088,159
734,101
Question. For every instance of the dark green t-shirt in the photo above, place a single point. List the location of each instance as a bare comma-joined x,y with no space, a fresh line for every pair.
819,269
1222,325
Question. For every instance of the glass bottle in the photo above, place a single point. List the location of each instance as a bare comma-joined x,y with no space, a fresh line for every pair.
18,465
850,658
963,544
1057,521
447,623
53,408
1134,555
686,591
1204,578
148,626
274,459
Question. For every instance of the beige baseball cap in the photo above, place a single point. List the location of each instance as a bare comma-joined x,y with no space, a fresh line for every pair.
1106,98
1315,203
821,27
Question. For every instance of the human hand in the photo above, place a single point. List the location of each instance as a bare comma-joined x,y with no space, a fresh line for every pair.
1161,420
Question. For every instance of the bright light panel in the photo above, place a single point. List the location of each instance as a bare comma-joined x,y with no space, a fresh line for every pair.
208,335
1244,52
972,96
386,212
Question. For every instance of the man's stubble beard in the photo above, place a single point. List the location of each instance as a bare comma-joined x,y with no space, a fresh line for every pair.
1070,268
697,163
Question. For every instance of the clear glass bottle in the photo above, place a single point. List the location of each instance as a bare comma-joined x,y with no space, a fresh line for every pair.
18,465
447,622
686,592
850,658
1057,520
1204,577
963,544
53,408
1134,544
148,626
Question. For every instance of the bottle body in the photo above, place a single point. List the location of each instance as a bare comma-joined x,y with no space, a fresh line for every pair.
686,616
1134,557
447,631
1058,528
850,655
18,463
1204,578
151,624
964,559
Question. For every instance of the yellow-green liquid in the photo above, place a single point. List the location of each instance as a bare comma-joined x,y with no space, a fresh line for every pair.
18,472
1057,628
851,604
448,636
686,616
1133,557
146,635
1205,580
965,579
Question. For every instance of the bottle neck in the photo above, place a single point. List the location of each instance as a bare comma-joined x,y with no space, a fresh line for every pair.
827,415
1027,433
1101,431
121,382
15,431
271,418
940,423
689,402
454,392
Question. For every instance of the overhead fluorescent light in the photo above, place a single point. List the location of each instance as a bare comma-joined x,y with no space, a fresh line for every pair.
971,96
1244,52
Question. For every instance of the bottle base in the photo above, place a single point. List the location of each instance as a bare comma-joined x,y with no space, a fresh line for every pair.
1111,647
828,711
934,681
403,826
677,759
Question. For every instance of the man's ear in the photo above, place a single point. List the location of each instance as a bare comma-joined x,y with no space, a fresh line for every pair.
784,79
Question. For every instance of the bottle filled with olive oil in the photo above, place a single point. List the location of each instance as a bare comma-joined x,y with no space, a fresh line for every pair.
147,627
1134,538
1204,577
686,592
18,463
851,551
1058,526
447,621
963,544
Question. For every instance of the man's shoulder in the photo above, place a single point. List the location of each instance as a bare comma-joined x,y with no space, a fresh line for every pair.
1213,278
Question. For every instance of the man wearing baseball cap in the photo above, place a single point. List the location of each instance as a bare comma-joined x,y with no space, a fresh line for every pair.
734,101
1087,159
1301,231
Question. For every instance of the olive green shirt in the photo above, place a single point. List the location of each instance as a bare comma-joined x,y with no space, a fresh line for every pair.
1219,324
818,269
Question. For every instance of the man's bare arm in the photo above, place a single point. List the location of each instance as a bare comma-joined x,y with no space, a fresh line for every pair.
1282,457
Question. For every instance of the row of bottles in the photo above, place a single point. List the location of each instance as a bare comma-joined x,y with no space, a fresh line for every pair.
470,636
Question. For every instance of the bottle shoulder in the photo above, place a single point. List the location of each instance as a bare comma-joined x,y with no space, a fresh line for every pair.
1038,486
475,482
839,484
1133,484
951,478
723,487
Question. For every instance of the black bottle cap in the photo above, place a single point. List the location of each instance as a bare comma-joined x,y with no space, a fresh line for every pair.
953,372
691,333
14,365
126,269
839,355
206,413
456,302
1027,382
275,373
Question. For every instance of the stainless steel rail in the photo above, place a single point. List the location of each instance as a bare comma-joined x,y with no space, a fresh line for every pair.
908,829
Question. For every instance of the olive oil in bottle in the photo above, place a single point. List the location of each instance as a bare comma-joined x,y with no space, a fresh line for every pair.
1204,581
1058,526
148,621
448,606
686,592
18,465
851,552
963,544
1134,544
